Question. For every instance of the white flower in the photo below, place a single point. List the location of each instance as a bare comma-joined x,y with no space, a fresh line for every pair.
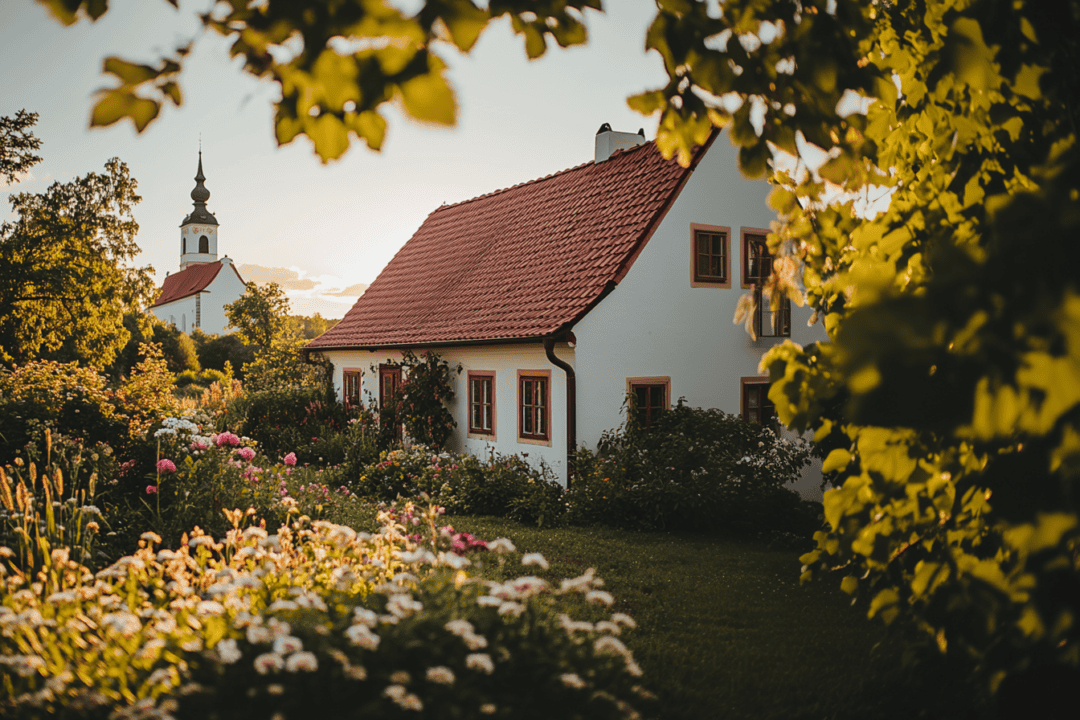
257,634
501,546
210,607
534,559
193,645
228,651
302,662
269,662
610,645
282,604
460,627
488,709
488,601
286,644
511,608
572,680
411,702
441,675
403,606
624,619
363,616
394,692
606,626
361,636
124,623
356,672
633,668
400,677
600,597
481,662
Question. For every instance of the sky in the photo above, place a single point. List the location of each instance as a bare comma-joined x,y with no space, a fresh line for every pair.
322,231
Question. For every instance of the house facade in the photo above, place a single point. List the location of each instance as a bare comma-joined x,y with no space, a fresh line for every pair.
196,296
560,296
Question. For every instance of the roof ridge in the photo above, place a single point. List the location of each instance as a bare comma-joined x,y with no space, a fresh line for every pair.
534,181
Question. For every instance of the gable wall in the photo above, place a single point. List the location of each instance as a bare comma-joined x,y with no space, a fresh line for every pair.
225,288
180,313
655,324
505,361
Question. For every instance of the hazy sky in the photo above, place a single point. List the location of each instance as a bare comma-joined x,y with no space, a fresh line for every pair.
316,228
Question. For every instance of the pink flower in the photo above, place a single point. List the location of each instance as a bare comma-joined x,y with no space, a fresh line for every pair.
166,466
246,453
151,489
199,445
227,438
290,459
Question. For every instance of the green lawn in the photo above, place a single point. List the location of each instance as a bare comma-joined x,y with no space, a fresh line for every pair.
726,631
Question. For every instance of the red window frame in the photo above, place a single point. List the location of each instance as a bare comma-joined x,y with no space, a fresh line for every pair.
481,408
698,255
657,395
350,386
756,406
534,405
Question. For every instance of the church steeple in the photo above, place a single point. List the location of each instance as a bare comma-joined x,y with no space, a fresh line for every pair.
198,232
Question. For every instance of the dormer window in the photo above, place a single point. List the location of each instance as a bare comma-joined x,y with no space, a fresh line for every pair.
204,244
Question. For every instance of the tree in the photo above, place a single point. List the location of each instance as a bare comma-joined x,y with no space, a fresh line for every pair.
17,145
64,283
260,314
310,327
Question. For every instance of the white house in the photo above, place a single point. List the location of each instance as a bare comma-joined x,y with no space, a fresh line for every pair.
561,295
196,296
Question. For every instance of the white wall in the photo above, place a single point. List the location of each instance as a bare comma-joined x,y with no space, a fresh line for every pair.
505,361
655,324
226,288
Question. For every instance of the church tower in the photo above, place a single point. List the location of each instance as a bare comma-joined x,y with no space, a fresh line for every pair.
198,232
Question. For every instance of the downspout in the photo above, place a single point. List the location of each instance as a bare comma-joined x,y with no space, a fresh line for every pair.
571,406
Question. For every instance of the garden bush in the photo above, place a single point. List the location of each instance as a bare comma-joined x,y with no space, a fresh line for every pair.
503,485
308,621
304,421
691,469
203,378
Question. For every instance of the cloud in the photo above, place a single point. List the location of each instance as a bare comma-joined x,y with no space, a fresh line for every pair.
353,291
327,295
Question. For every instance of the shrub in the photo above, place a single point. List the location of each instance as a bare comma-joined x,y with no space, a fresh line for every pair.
299,420
420,403
61,397
218,351
204,378
693,469
310,620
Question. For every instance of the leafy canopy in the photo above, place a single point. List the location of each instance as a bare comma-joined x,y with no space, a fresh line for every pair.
337,64
260,315
65,283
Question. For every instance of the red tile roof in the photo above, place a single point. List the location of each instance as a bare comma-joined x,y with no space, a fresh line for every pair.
516,264
187,282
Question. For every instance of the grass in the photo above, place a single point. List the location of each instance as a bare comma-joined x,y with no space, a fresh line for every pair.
725,630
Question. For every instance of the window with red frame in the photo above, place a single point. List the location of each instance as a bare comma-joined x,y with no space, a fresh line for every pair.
756,406
350,387
710,256
770,319
389,383
481,403
650,399
534,418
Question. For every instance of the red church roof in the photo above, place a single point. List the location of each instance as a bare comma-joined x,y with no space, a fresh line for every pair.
516,264
187,282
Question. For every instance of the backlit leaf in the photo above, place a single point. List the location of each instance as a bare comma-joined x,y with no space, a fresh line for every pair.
118,104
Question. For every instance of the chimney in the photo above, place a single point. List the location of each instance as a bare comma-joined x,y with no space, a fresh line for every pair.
608,141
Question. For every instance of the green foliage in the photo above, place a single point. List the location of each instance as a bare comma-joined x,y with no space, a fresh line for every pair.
306,421
282,366
62,397
145,398
691,469
17,145
420,403
214,351
204,379
335,91
260,315
64,282
53,506
950,394
503,485
309,327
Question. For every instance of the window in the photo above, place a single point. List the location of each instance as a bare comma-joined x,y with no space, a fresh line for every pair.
350,387
710,258
756,406
183,246
482,403
769,320
204,244
198,310
534,403
650,396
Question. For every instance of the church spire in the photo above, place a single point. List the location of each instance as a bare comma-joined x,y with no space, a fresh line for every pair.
200,195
